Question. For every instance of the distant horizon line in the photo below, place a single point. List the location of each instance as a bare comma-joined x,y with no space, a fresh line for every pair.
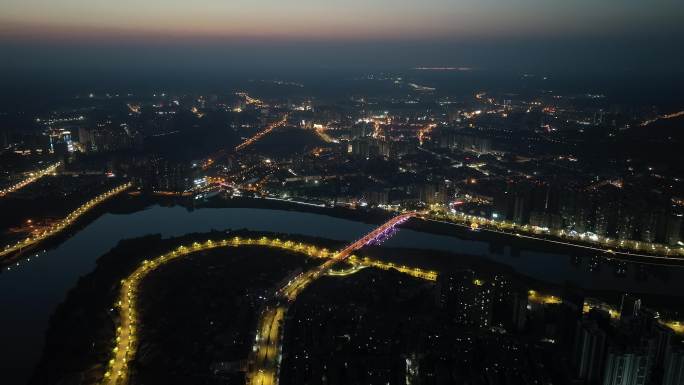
65,33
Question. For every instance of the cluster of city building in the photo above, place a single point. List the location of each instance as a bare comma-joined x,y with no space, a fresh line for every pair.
599,344
517,159
473,327
518,163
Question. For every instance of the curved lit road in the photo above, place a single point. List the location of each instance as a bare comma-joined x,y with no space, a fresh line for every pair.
269,341
266,353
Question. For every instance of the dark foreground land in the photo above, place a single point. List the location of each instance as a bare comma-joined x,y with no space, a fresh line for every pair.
378,327
199,314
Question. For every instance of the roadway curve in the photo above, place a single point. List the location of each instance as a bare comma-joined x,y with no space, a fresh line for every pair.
126,337
267,348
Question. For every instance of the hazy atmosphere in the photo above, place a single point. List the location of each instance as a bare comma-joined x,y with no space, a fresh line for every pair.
316,192
611,34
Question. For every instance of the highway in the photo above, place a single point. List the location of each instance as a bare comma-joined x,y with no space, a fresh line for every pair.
32,177
65,222
211,160
267,346
279,123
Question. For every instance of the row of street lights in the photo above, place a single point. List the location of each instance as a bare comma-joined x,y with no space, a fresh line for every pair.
598,243
125,340
32,177
62,224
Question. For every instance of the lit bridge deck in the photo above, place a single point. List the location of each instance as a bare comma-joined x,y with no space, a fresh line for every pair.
298,284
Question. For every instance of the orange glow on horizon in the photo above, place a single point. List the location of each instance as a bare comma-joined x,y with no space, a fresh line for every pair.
77,20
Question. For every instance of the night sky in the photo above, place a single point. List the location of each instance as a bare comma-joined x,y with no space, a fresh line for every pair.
572,35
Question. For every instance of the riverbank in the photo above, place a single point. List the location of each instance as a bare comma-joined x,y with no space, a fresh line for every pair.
370,216
129,203
16,250
500,240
